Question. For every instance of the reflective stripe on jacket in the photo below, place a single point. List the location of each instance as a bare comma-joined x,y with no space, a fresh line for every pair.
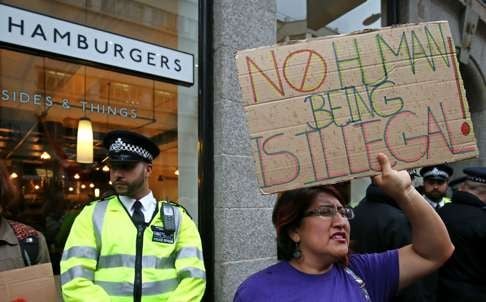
100,259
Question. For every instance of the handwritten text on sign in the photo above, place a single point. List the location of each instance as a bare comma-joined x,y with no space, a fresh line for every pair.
319,111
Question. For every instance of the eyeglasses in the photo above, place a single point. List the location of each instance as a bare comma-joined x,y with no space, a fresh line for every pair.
331,211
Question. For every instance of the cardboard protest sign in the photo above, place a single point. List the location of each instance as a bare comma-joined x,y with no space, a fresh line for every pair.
320,110
29,284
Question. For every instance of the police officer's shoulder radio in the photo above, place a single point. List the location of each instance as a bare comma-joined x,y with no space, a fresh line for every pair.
167,215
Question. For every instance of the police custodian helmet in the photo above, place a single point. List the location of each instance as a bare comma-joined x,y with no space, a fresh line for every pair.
476,174
124,146
438,172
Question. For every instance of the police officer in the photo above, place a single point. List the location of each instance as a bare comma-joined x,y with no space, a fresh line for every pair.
463,277
129,246
436,184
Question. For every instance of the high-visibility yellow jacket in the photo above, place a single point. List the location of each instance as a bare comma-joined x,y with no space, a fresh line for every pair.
106,258
437,205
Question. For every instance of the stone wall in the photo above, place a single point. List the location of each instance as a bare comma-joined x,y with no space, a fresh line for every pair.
244,235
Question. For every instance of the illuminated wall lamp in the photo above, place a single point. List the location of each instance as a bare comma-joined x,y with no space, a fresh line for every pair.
84,144
45,156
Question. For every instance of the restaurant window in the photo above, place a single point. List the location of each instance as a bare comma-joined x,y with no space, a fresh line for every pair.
44,97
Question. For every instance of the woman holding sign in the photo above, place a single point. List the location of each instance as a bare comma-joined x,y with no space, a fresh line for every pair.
313,241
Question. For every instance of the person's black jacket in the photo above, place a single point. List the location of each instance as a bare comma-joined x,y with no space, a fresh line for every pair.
380,225
463,277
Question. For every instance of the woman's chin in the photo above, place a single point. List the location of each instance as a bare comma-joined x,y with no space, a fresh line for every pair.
340,252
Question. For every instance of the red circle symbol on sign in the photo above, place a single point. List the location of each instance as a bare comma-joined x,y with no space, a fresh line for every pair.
304,70
465,128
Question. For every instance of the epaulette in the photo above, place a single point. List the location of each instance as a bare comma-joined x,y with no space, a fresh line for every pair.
105,196
179,206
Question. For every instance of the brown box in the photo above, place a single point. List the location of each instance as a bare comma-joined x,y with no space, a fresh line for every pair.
30,284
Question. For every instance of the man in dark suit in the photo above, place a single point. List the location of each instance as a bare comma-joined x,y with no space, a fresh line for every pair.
463,277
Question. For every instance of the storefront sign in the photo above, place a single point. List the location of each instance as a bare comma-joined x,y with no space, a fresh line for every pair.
16,97
35,31
319,111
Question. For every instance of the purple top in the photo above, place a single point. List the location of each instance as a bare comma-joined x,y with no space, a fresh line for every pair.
282,282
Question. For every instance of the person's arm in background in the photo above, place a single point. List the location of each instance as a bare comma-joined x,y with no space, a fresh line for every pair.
79,262
431,245
189,263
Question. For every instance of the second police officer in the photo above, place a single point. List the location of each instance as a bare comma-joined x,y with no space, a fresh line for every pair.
436,184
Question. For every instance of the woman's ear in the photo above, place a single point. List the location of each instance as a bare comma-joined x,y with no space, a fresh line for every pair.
294,235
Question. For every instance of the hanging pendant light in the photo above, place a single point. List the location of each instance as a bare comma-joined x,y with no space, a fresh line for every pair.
84,144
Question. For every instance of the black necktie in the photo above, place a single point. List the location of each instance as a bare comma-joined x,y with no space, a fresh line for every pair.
138,217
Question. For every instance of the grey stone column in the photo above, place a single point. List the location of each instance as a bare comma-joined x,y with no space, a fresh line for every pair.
244,235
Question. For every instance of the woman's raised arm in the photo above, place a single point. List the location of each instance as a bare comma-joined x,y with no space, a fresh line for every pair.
431,245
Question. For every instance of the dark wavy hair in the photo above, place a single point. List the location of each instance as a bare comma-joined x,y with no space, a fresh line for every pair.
289,212
8,191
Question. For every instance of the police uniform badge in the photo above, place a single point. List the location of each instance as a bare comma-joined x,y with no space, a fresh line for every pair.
161,235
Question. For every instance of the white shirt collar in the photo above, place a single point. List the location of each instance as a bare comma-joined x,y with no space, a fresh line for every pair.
149,204
435,205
